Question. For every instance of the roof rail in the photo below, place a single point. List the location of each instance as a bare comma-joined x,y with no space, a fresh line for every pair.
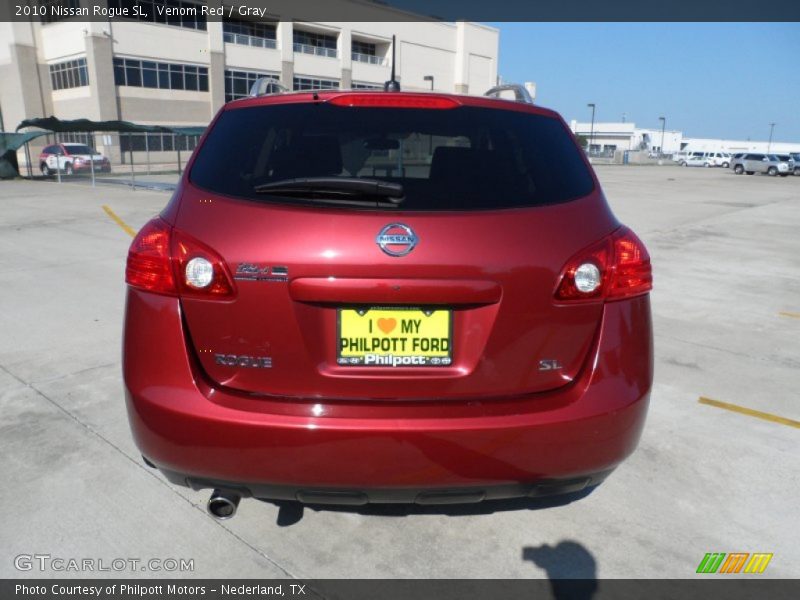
267,85
521,93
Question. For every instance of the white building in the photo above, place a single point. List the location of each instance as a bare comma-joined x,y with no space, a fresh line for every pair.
606,138
734,146
181,72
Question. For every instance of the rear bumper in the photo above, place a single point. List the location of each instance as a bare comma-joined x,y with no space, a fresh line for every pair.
428,496
87,167
357,452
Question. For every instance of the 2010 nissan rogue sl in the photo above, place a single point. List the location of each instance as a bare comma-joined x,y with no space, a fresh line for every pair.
359,297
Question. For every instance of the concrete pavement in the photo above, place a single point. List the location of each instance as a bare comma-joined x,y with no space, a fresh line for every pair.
725,252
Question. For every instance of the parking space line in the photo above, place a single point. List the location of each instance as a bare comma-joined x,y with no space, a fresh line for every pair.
750,412
125,227
791,315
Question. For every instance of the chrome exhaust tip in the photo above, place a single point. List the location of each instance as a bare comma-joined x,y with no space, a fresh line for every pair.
222,505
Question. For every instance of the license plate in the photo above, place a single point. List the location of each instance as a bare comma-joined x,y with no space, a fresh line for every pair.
394,337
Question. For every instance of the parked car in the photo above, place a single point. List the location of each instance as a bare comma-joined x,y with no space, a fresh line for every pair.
368,296
696,161
736,156
71,158
719,159
796,157
756,162
789,160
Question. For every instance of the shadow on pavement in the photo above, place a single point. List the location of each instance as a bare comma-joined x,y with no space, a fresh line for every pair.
570,567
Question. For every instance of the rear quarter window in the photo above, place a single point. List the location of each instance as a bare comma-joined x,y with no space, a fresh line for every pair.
465,158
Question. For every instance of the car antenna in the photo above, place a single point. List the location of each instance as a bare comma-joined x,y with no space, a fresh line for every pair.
392,85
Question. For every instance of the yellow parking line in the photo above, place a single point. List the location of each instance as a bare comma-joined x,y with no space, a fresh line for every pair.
750,412
125,227
791,315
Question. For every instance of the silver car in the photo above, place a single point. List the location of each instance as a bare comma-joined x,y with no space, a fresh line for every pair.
789,159
754,162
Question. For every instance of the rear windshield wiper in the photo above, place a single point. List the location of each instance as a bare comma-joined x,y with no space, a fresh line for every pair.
341,190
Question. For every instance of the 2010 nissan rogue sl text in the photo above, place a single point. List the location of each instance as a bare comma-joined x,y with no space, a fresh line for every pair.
359,297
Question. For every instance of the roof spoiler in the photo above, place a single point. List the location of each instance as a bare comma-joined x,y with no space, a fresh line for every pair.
521,93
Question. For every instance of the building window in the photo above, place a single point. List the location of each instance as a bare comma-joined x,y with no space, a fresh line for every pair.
366,52
157,142
361,85
166,76
249,33
86,139
179,13
57,10
314,83
320,44
69,74
238,83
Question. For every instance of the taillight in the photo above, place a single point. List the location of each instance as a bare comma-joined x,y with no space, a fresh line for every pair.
149,266
167,261
199,270
390,100
616,267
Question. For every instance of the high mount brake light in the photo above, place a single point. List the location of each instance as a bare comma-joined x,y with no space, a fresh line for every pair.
160,260
624,266
389,100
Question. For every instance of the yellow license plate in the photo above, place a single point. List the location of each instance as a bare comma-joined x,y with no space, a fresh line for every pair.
394,337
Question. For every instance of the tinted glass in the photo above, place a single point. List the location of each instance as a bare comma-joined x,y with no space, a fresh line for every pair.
79,149
455,159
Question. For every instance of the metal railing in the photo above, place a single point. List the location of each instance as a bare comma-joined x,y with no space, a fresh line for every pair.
316,50
369,58
249,40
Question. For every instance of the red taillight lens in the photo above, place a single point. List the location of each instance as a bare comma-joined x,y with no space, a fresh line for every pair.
632,274
394,100
157,262
624,266
149,266
186,248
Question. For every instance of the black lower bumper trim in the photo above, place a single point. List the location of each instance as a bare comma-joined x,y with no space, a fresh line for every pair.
406,495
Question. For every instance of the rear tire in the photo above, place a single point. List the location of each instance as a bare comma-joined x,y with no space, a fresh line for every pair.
725,165
68,169
772,171
684,164
738,169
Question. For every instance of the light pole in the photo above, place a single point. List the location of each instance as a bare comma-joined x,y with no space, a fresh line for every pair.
591,131
771,129
429,78
663,126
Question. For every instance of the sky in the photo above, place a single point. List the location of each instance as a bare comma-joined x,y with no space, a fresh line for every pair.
715,80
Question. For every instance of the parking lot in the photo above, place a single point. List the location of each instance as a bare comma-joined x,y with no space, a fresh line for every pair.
726,304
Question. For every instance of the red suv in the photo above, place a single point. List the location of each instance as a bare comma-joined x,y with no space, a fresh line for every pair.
359,297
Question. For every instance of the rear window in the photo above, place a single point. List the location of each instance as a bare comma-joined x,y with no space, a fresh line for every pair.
463,158
78,149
